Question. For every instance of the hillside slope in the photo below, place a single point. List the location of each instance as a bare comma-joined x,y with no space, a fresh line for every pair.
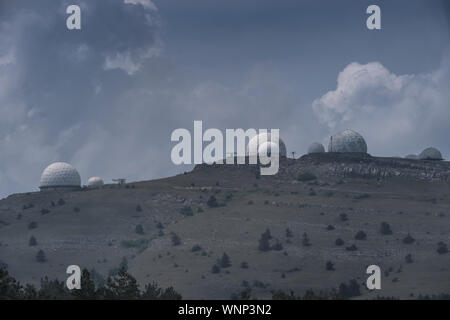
335,196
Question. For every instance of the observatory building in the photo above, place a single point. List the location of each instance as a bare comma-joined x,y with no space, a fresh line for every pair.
95,182
347,141
316,147
263,143
430,154
60,175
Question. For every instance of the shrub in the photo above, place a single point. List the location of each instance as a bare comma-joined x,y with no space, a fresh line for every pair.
349,290
32,225
139,244
408,239
244,265
228,196
277,246
343,217
351,248
339,242
32,242
139,229
328,193
264,244
40,257
329,266
196,248
361,196
289,233
176,240
306,176
442,248
187,211
212,202
408,258
138,208
361,235
330,227
215,269
305,240
44,211
225,261
385,228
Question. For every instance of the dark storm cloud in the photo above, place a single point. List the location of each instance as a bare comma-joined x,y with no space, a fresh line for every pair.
58,86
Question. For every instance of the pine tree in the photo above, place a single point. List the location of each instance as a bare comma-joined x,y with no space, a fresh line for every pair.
225,262
123,286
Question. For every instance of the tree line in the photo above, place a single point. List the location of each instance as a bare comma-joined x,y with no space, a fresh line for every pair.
121,286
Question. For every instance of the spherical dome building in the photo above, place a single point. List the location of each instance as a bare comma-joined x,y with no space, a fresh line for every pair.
260,140
95,182
412,156
60,175
267,147
430,154
347,141
316,147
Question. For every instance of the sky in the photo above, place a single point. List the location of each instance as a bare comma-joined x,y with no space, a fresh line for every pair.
106,98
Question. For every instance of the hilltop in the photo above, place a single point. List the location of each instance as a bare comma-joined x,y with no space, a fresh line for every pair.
173,231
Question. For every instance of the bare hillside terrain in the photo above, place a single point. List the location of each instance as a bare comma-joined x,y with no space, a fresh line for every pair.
329,217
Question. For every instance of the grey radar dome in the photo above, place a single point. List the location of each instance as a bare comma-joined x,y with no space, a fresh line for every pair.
60,175
95,182
316,148
267,147
264,141
347,141
430,154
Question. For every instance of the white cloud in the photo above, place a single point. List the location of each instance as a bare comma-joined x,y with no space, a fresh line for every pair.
7,59
396,113
148,4
127,62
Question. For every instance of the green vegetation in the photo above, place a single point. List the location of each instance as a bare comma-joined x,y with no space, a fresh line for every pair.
187,211
32,225
32,242
385,228
212,202
360,196
264,243
139,229
40,257
176,240
361,235
306,176
138,244
408,239
122,286
442,248
225,261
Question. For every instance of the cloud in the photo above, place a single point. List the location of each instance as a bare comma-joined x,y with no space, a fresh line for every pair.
57,87
397,114
145,3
